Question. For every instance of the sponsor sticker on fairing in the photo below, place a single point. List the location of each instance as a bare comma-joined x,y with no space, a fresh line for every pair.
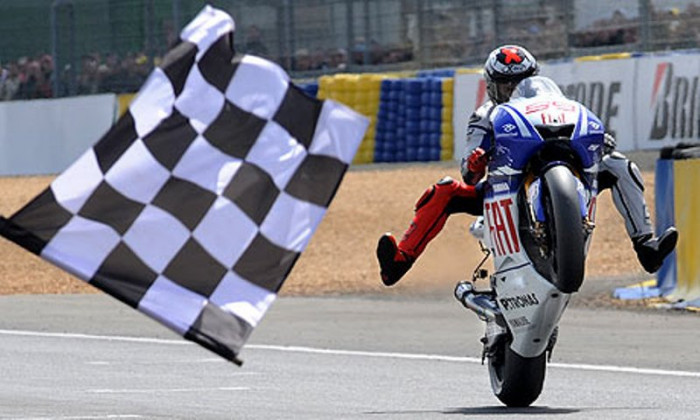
501,187
519,302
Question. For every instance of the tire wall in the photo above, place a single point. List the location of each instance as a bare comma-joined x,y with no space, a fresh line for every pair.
410,114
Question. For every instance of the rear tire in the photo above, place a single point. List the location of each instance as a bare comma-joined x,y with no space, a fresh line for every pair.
565,228
515,380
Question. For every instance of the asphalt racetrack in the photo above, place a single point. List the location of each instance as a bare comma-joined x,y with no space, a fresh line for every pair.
91,357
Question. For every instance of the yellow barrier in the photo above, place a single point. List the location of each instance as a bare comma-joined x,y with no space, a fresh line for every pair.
687,215
471,70
446,130
611,56
124,100
361,93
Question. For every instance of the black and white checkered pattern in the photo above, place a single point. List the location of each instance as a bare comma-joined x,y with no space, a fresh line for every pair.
195,206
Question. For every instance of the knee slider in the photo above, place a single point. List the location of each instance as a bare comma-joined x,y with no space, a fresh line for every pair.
445,185
427,195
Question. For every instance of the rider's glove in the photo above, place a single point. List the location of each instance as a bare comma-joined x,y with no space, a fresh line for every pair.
609,143
473,167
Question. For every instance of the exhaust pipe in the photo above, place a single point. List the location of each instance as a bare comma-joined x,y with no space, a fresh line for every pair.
479,302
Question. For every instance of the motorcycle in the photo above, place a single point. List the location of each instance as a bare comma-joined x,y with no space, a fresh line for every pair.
537,223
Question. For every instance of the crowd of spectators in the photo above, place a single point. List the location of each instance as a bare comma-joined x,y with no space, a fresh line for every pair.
673,28
545,32
33,78
669,28
619,29
338,59
326,59
26,78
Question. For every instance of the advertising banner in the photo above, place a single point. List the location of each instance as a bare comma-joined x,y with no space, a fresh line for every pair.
45,136
604,87
667,106
469,94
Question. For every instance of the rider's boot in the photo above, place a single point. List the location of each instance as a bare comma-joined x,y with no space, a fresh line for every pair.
651,251
393,262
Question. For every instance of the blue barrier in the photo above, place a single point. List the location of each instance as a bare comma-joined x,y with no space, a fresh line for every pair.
665,217
409,120
310,89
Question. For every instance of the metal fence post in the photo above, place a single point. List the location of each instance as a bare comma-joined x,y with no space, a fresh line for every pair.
58,59
177,16
349,12
569,24
644,24
366,56
420,22
289,44
149,30
497,21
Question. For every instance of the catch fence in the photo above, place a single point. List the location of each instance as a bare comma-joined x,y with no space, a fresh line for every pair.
74,47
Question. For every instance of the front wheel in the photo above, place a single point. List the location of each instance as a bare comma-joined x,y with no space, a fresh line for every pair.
565,228
517,381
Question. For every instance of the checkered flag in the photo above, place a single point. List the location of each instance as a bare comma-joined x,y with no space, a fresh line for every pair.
196,204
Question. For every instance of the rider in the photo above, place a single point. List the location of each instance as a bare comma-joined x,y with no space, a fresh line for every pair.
505,67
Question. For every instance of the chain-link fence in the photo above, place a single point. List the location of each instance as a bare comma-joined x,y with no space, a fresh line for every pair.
54,48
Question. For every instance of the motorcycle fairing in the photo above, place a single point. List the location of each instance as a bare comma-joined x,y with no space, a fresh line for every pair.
531,306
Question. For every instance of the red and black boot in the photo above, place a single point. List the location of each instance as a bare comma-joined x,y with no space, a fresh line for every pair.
432,210
393,262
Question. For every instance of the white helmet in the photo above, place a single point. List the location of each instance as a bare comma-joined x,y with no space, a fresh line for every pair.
505,67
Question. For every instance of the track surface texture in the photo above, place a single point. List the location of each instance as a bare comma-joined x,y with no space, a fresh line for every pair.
90,357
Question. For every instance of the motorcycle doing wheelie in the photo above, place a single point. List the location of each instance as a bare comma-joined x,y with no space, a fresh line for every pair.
539,208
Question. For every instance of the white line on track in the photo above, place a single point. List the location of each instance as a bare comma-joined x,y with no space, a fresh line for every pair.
94,337
165,390
415,356
299,349
97,417
170,362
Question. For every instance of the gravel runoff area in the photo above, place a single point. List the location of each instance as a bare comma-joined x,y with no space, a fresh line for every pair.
340,258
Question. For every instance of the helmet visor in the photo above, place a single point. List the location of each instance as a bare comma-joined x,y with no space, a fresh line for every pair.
500,92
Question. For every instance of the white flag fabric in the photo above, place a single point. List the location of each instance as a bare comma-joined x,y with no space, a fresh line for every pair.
197,203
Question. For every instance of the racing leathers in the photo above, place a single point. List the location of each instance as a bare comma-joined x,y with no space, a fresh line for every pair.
450,196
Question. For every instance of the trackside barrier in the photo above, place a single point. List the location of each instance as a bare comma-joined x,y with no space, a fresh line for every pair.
360,92
681,275
665,211
677,203
123,102
44,136
411,117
